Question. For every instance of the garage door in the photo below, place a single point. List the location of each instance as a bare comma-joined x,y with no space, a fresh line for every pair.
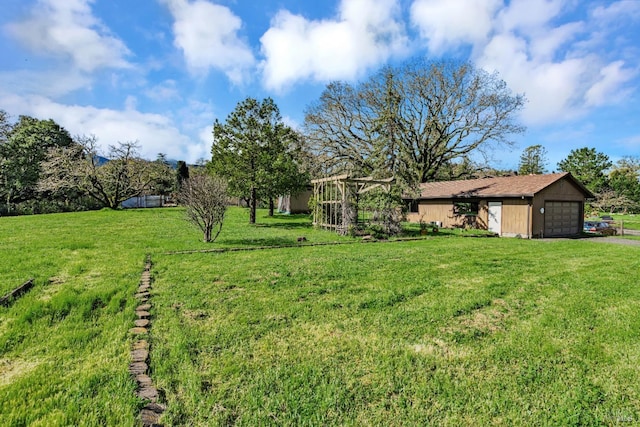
561,218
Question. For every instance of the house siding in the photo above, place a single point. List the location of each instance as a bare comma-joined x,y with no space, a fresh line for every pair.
515,217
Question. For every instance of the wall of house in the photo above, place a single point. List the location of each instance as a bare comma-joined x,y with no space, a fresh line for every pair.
516,214
560,191
434,210
442,211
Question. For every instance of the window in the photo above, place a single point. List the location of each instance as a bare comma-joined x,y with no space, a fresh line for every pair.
465,208
412,206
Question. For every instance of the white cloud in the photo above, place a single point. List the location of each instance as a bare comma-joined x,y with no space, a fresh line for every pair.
617,10
608,89
529,15
365,33
164,91
537,49
68,29
51,83
552,88
447,24
155,133
207,34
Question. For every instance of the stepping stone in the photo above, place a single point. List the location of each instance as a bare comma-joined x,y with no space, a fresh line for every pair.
144,380
144,288
148,393
144,307
140,355
141,295
137,368
150,414
138,331
141,345
141,323
143,314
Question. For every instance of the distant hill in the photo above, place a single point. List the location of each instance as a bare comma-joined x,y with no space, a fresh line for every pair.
173,163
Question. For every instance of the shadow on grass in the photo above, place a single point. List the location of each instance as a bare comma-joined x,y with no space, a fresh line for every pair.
286,222
259,241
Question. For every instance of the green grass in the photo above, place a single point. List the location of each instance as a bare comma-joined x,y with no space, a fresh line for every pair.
445,330
442,331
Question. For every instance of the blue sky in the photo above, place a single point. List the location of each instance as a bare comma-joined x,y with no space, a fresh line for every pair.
161,71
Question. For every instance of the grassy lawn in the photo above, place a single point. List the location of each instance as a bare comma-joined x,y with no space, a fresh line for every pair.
445,330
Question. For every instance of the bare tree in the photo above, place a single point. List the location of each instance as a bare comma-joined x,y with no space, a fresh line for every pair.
110,179
205,199
611,201
412,120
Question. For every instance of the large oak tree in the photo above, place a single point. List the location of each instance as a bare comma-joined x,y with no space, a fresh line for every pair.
412,120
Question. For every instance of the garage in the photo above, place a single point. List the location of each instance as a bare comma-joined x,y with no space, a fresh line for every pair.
525,206
562,218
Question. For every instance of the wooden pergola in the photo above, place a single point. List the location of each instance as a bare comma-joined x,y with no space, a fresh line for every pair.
336,199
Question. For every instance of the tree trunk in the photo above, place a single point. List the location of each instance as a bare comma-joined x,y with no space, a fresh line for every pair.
253,201
271,206
207,233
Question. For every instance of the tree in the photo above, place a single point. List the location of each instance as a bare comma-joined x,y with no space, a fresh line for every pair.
252,150
533,160
412,120
79,167
5,127
25,146
165,183
624,179
588,167
205,199
610,201
182,174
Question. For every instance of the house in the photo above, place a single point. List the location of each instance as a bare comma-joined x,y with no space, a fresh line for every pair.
525,206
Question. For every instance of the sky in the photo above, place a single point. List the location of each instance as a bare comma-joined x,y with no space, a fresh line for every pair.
161,71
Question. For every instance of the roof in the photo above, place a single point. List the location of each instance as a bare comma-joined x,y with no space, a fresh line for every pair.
504,186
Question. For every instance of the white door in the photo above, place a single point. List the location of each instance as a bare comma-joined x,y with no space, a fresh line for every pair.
495,217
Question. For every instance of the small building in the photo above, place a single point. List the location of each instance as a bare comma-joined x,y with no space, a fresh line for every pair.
296,204
524,206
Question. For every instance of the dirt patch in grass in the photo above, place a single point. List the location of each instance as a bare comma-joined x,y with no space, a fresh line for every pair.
485,320
12,369
440,348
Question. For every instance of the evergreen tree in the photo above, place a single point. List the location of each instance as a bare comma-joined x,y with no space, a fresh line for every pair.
253,151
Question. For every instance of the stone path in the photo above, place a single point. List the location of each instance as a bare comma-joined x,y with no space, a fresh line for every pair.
139,369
